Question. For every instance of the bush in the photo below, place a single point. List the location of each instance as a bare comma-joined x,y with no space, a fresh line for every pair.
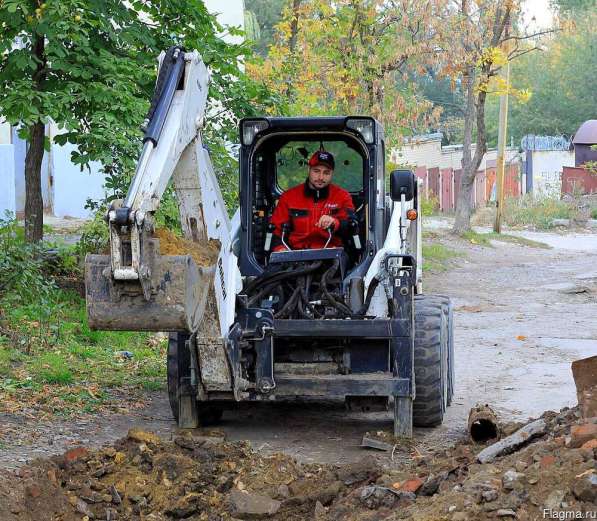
95,235
22,277
429,205
535,212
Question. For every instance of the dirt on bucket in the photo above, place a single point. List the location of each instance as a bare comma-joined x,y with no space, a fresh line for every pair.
204,253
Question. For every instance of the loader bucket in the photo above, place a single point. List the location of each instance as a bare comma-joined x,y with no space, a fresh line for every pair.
177,302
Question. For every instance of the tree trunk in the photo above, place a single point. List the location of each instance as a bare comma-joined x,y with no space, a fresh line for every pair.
462,221
294,28
34,205
474,112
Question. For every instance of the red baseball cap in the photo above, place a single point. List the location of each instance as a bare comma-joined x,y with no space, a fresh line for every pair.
322,157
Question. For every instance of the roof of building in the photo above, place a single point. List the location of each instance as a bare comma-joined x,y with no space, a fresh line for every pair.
586,133
422,138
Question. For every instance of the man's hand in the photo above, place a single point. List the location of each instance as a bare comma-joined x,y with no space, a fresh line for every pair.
326,221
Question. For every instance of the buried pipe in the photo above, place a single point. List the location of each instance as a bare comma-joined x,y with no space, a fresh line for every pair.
483,424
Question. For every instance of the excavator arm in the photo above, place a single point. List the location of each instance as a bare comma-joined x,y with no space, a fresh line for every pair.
134,287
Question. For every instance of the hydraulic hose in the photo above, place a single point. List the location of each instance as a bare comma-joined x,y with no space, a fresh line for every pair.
370,291
269,282
337,304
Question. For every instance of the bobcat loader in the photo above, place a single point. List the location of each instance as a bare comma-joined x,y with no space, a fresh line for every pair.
345,323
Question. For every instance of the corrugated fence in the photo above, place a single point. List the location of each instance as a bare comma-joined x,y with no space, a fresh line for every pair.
444,184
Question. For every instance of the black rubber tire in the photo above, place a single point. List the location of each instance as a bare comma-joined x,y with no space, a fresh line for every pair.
431,362
208,413
448,309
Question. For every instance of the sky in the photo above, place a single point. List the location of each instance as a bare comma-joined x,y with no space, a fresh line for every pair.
541,11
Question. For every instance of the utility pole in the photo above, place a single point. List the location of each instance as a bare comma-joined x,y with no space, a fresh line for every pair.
501,151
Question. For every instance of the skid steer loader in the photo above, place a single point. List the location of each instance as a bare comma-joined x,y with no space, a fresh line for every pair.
346,322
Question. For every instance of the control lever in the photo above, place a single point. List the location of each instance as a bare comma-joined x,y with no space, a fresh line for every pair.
330,229
268,237
286,228
353,225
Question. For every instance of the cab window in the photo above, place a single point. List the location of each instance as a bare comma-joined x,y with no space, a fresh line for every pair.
292,164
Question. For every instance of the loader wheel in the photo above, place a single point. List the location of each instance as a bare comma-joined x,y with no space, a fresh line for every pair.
178,365
448,309
431,362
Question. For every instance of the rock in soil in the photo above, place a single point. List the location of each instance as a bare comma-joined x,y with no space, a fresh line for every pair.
245,504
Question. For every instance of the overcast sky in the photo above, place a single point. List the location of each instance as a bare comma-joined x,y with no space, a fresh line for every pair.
541,11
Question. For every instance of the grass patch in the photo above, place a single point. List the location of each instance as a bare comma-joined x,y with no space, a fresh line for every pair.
484,239
50,360
477,238
521,241
52,368
62,366
436,256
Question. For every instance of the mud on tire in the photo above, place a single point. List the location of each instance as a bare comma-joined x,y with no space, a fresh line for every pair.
431,360
208,414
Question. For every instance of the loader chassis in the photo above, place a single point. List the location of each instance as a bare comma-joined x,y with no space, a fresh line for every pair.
347,322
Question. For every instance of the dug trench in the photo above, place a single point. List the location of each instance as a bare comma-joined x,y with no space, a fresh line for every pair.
522,315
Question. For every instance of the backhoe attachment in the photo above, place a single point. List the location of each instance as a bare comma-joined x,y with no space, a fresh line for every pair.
135,287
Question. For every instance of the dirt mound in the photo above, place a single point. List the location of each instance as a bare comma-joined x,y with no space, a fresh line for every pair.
204,253
203,477
142,477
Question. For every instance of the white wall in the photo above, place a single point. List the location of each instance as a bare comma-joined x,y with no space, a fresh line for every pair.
547,170
4,133
422,153
72,187
7,179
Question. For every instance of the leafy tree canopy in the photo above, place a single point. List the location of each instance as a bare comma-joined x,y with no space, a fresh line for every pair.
90,66
561,78
347,57
267,15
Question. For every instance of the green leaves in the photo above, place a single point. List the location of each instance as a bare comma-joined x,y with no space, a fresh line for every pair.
95,70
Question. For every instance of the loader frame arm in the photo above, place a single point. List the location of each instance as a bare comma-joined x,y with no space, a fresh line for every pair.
172,149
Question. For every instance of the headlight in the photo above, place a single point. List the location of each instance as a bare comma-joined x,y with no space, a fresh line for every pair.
250,128
363,126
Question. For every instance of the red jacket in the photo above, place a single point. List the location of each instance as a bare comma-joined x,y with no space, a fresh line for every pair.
302,207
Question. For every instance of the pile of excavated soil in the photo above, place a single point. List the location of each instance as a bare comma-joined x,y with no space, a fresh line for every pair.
203,477
203,253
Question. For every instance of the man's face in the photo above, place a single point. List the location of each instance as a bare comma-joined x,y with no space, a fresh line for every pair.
320,176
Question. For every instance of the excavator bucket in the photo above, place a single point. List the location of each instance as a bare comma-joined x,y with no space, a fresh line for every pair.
177,302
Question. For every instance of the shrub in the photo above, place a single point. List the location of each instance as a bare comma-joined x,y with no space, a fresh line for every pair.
22,277
537,212
95,235
429,205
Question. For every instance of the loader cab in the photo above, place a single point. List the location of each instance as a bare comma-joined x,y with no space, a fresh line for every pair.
273,158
